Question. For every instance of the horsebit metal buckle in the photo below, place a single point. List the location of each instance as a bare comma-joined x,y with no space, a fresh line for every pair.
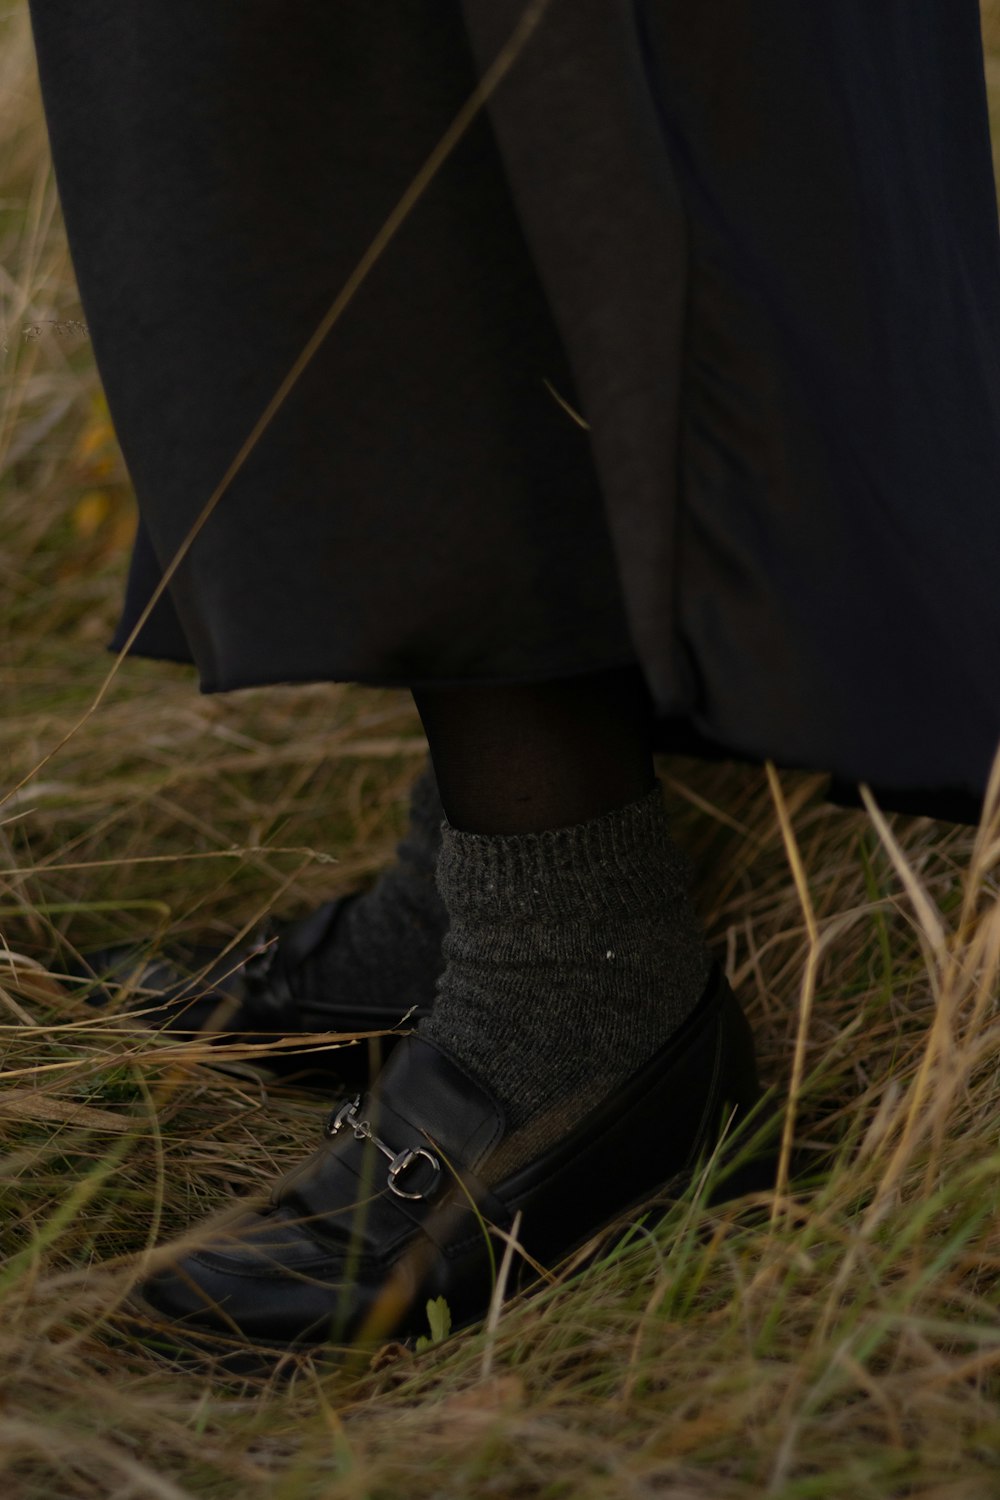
399,1161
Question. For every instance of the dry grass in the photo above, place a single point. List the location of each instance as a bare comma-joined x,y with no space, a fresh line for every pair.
846,1342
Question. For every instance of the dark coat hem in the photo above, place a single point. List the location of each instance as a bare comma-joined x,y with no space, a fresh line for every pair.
672,736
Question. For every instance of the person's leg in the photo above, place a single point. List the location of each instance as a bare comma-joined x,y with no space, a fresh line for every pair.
532,756
573,951
581,1054
363,961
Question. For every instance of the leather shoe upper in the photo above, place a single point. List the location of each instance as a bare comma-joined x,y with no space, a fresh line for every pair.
399,1203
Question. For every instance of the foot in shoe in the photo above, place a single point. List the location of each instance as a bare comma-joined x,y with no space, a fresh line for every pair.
400,1203
363,962
579,1055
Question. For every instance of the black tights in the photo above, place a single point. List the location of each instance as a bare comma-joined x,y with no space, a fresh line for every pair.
531,756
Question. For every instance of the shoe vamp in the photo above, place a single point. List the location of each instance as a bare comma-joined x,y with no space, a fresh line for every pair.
279,1242
268,1279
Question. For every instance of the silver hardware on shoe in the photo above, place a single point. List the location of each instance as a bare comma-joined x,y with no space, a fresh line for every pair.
399,1161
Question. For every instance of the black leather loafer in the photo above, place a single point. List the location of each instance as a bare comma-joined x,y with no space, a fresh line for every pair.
400,1205
248,994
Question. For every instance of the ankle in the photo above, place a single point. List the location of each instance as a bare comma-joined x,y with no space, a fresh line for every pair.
571,957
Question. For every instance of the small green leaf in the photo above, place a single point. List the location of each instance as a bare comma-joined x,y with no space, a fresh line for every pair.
439,1319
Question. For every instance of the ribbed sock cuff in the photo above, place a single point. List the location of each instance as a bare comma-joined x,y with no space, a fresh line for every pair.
612,863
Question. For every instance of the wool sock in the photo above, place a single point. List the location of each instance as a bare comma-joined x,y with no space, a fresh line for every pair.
385,947
571,957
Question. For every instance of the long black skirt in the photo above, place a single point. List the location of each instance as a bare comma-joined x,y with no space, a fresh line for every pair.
754,247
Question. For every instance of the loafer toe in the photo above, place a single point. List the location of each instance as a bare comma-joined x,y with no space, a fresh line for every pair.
267,1283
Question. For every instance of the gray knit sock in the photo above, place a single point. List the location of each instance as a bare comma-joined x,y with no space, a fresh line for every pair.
386,946
572,956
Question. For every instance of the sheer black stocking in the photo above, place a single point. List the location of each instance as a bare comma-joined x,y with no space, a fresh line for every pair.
532,756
